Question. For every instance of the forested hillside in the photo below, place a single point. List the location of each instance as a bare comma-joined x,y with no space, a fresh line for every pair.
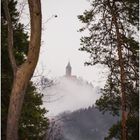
83,124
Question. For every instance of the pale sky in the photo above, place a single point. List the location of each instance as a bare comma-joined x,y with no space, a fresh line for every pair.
60,44
61,41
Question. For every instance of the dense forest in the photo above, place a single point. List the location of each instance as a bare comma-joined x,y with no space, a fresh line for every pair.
86,124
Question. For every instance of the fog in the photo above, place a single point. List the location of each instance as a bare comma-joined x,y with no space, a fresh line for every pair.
69,94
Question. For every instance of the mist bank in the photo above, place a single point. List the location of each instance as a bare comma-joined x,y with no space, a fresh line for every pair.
69,94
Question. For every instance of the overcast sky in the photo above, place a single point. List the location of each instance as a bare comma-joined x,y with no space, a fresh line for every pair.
60,44
61,41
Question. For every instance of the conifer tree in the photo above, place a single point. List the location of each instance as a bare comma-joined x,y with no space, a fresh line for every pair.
111,41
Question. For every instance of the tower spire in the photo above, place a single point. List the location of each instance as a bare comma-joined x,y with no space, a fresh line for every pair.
68,69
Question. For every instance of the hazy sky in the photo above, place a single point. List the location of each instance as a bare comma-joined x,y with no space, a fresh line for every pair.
60,44
61,41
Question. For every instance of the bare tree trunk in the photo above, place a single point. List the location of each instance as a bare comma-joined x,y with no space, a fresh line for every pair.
123,94
16,101
23,73
122,72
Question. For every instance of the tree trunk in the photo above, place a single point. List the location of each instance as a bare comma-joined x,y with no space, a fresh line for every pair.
122,71
23,73
16,101
123,95
122,79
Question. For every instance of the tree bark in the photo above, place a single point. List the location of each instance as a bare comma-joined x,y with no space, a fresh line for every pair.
123,94
23,73
122,72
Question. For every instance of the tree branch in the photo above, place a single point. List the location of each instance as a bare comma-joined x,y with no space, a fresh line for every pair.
10,36
34,45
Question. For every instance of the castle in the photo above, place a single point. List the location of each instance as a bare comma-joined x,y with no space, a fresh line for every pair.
71,92
68,76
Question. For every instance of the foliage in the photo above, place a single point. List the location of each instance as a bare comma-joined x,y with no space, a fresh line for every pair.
33,123
132,127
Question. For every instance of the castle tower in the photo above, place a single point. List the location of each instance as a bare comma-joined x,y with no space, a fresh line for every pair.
68,69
